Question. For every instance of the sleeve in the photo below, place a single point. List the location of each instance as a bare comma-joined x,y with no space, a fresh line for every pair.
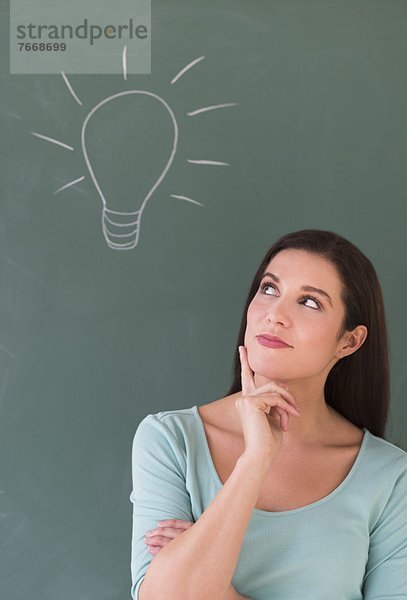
159,489
386,570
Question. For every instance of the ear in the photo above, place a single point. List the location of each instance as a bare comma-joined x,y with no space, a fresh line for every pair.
351,341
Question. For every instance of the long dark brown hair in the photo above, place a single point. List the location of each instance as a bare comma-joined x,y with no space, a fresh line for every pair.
358,385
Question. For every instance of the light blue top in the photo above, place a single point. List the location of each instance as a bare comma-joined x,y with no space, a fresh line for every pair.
350,545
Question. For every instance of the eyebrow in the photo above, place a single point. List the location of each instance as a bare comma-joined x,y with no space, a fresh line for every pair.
305,288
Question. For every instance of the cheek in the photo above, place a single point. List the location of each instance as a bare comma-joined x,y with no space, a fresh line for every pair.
254,316
249,320
253,311
315,342
323,332
251,317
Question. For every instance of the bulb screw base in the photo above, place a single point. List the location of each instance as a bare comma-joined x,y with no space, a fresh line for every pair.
121,229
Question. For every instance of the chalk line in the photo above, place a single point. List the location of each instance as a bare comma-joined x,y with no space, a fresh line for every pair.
185,198
185,69
209,162
7,351
124,62
70,88
67,185
44,137
207,108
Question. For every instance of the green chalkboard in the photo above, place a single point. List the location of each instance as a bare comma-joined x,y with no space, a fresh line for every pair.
95,334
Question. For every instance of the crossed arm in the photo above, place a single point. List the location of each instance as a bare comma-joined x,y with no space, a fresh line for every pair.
220,530
168,530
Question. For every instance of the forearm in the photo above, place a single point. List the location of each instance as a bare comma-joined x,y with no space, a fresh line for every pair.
200,563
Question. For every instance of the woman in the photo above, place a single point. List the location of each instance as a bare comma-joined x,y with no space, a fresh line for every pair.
285,488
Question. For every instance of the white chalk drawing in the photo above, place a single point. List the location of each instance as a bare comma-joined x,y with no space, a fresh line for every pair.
185,198
207,108
70,88
53,140
129,222
67,185
215,163
185,69
124,63
121,229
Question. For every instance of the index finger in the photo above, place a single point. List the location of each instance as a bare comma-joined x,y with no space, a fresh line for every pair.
248,384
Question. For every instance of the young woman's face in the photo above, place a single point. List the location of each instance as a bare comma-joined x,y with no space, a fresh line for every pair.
307,320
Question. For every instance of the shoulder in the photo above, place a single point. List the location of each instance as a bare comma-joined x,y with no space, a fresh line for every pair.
171,425
169,417
384,470
386,478
386,449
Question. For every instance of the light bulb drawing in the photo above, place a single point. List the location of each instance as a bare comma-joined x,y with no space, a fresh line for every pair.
121,225
113,220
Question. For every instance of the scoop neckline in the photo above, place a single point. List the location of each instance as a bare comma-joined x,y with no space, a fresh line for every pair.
284,513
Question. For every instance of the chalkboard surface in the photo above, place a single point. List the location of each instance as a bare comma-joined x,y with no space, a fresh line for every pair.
98,330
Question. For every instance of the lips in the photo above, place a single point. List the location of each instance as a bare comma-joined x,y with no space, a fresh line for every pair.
272,341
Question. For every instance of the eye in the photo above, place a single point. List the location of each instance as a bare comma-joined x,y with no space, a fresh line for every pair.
313,300
269,289
265,285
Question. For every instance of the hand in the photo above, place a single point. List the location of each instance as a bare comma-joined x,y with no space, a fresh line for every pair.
164,533
263,412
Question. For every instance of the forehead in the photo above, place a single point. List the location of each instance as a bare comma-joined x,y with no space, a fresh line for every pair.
306,268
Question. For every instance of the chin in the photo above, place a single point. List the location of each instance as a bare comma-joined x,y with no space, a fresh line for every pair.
279,369
273,376
284,373
268,372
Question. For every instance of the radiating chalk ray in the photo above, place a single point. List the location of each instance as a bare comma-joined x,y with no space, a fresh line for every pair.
185,69
124,62
67,185
70,88
7,351
214,107
209,162
185,198
48,139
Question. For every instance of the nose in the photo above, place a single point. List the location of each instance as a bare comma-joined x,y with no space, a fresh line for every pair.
278,313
